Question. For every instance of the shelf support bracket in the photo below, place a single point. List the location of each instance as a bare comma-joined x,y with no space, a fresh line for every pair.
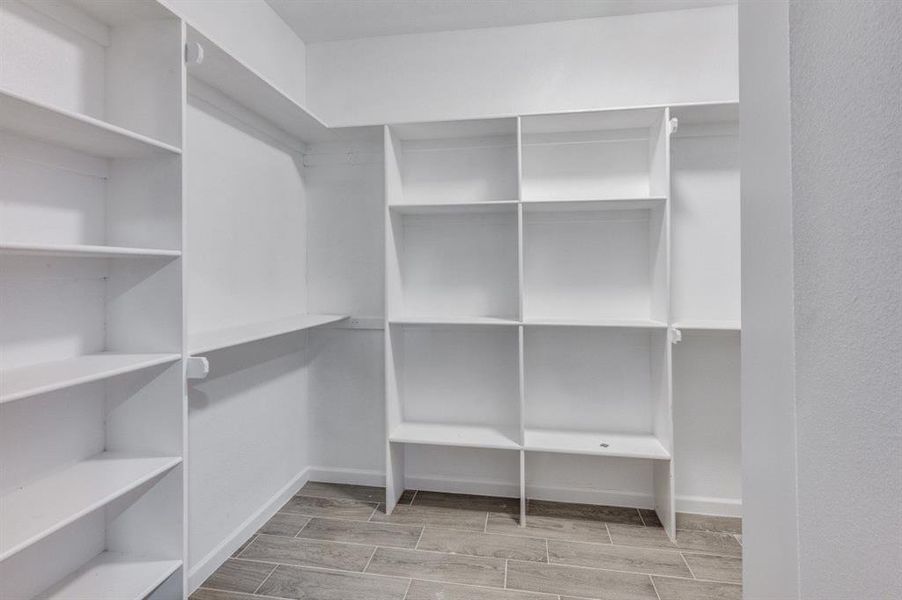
673,125
676,336
197,367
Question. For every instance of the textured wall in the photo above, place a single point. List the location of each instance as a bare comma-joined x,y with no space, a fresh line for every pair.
846,82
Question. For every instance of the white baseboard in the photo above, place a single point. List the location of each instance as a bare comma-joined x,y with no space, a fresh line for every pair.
726,507
703,505
205,567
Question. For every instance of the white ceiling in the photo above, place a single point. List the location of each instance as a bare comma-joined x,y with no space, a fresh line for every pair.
326,20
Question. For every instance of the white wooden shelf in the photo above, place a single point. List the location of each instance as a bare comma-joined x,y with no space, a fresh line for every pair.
23,382
438,320
221,70
445,434
209,341
83,250
113,576
43,507
708,325
624,323
567,204
73,130
454,208
582,442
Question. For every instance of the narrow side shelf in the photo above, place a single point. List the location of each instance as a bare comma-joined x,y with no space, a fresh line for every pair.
623,323
83,250
580,204
453,208
585,442
221,70
23,382
708,325
113,576
43,507
444,434
76,131
209,341
437,320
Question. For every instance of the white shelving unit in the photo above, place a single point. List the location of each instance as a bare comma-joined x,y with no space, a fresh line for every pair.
529,285
92,376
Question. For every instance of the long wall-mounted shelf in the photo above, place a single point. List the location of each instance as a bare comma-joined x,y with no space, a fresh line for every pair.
209,341
43,507
34,119
219,69
32,380
83,250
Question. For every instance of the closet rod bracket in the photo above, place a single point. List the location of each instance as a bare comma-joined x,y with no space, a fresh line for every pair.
197,367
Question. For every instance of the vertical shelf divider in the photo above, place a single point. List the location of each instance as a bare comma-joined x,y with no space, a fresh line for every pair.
663,471
522,332
394,453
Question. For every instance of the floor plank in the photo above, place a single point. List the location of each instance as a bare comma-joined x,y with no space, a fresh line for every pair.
468,502
336,508
584,512
237,575
708,523
357,532
361,493
432,515
285,524
451,568
717,568
432,590
577,581
309,584
309,553
687,589
618,558
482,544
549,528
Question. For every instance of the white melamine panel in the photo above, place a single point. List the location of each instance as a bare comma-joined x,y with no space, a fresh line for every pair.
590,479
458,375
58,197
456,265
246,222
440,434
586,263
591,379
583,156
706,421
248,424
46,377
602,443
208,341
465,161
93,67
113,576
221,70
705,230
43,507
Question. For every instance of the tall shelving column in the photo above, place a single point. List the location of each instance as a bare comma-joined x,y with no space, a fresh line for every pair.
92,413
452,314
595,293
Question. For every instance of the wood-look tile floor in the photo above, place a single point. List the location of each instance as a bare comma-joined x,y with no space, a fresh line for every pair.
335,542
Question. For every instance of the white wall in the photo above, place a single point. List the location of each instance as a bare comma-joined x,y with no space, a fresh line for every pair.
822,324
847,234
656,58
255,34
